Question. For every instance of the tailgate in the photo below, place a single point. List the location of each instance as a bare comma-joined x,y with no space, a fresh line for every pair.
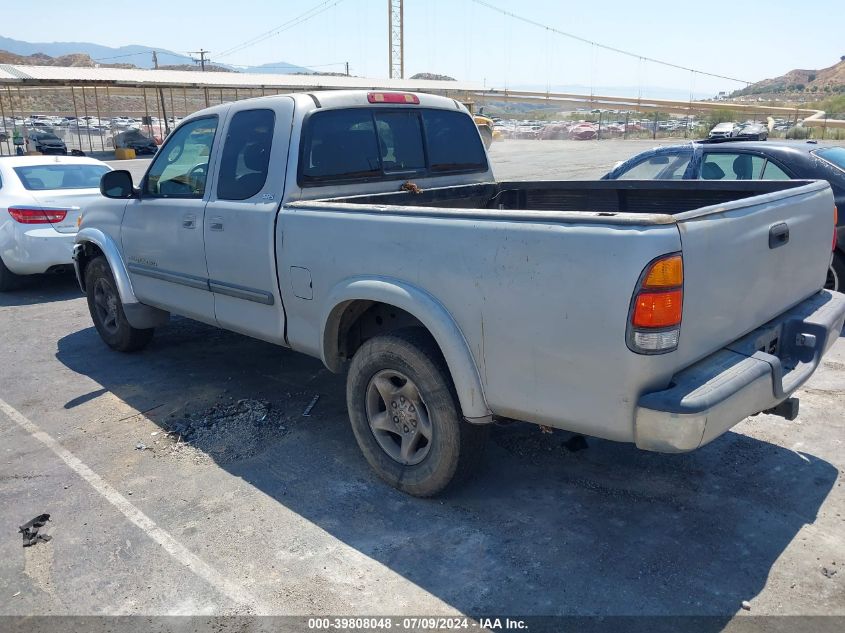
71,201
746,262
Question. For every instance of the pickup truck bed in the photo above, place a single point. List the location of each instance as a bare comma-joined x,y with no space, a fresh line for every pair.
558,357
602,196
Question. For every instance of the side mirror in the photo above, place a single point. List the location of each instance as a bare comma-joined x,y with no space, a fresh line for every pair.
117,184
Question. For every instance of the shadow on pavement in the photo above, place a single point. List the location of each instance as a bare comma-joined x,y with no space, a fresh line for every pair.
37,289
542,529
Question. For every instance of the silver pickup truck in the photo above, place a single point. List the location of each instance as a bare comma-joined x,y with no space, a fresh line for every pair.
366,229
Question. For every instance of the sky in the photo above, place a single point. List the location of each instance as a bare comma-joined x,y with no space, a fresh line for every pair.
749,40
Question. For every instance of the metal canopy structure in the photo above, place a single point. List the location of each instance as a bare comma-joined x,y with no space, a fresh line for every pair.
11,75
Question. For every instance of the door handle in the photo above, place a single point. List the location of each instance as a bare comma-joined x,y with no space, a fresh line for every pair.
778,235
216,224
189,221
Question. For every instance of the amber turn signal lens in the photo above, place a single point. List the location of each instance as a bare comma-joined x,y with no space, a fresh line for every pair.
658,309
665,273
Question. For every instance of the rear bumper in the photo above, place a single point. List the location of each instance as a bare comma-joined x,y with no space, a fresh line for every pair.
36,249
752,374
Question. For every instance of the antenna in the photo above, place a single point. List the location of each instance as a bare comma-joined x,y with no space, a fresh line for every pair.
396,35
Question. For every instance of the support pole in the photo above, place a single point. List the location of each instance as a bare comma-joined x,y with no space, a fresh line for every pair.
76,114
87,122
97,105
3,114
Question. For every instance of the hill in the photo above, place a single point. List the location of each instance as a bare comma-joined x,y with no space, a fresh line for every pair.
40,59
829,80
130,56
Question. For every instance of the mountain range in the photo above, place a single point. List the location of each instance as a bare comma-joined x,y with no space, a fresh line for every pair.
126,56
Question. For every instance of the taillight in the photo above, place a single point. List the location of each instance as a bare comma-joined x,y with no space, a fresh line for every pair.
654,324
37,216
392,97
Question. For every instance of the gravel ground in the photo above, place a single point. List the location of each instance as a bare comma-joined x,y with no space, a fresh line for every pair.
248,505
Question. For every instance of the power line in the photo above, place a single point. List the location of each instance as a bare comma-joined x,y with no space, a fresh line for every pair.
605,46
300,19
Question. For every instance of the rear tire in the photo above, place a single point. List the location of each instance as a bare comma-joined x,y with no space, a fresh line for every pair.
107,310
399,394
8,279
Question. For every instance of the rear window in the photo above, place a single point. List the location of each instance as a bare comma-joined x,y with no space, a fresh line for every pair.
383,144
47,177
833,155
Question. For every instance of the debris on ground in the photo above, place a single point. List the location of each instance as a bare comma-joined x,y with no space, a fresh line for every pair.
746,605
546,429
311,405
140,446
30,530
226,432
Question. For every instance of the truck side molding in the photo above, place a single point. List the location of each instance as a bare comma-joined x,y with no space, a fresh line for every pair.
431,313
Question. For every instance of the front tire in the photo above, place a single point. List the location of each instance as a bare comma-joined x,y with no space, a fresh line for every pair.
107,310
406,417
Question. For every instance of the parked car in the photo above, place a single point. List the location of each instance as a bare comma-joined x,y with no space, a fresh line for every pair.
366,229
40,203
46,143
743,160
723,130
137,140
752,132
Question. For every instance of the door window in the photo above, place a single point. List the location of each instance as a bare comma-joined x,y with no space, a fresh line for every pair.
659,167
731,166
180,169
246,155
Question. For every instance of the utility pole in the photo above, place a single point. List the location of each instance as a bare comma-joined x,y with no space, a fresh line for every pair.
347,69
396,36
202,53
161,98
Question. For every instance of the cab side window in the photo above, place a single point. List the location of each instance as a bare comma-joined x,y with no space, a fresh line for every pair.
246,155
180,169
